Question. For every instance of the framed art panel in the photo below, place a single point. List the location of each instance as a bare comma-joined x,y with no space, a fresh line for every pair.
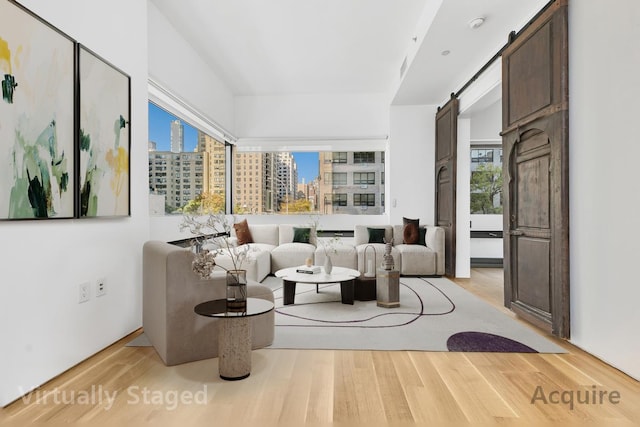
104,138
37,128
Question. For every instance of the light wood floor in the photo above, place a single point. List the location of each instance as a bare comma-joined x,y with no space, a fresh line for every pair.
310,387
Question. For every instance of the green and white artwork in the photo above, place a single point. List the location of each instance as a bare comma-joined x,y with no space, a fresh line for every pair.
104,138
36,117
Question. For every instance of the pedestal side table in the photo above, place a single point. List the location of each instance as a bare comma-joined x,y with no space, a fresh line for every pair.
388,288
234,338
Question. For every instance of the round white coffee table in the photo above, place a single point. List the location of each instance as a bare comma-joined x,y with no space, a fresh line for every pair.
344,276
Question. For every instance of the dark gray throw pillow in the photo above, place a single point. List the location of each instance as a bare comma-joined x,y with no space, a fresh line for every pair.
376,235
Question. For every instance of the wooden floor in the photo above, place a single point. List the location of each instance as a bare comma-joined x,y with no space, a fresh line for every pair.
313,387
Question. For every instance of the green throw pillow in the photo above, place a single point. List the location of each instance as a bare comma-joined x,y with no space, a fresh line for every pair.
376,235
423,236
301,235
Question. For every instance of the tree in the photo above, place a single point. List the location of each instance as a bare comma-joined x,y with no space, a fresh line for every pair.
295,206
206,203
486,185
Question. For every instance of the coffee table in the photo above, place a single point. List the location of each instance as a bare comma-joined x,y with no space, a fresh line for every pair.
344,276
234,338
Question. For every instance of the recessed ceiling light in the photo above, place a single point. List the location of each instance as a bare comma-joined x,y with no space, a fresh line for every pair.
445,52
475,23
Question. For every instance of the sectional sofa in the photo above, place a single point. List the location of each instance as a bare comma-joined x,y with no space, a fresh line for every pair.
274,247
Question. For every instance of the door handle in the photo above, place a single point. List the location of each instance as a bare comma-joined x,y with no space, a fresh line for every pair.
516,233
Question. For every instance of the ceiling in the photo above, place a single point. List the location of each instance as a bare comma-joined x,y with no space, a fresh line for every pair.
345,46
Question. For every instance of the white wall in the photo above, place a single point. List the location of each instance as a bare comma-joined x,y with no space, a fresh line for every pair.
463,200
180,69
604,188
487,124
43,329
312,115
411,163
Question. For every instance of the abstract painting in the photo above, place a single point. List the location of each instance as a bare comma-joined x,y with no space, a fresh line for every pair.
103,147
36,117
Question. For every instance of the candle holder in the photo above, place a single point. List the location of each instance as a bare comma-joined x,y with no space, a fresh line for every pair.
369,263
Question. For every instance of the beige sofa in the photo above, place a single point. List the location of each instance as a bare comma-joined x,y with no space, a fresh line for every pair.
273,249
171,290
409,260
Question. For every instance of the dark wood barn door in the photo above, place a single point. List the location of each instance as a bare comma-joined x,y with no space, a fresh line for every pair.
445,183
536,184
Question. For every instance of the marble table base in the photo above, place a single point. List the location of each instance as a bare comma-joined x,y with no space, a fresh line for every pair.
234,348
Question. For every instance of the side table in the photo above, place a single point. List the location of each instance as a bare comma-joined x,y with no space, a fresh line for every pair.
388,288
234,338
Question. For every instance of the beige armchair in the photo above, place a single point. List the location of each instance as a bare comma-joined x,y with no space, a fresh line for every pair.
170,291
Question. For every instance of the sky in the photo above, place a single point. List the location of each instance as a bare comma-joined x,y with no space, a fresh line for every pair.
160,133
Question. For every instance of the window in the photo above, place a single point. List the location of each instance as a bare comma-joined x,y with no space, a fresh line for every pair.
366,199
364,178
486,180
382,177
339,178
339,199
339,157
484,155
364,157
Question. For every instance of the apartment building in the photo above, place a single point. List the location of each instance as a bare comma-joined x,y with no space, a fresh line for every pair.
352,182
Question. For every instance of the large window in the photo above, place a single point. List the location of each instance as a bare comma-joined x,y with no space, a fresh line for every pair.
186,166
306,182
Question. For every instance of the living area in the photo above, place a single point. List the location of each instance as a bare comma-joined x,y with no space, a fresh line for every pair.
46,331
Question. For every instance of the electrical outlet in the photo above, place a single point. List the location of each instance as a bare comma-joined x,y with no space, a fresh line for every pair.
84,292
101,287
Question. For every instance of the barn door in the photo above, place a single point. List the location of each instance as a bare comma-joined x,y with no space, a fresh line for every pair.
445,182
536,184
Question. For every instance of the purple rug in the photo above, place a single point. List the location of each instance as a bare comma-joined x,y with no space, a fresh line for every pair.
485,342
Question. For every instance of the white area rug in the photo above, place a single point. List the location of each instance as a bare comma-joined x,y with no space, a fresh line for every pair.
435,314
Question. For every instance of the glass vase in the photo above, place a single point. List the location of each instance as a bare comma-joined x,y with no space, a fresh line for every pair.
236,290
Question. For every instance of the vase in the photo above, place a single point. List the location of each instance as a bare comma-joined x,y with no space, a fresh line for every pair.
328,266
236,290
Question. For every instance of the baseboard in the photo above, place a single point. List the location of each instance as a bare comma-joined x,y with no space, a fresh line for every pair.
486,263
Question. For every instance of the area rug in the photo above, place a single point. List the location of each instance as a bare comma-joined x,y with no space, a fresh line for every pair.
435,314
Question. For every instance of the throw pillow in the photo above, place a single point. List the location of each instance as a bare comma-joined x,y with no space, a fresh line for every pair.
301,235
242,232
376,235
423,236
411,233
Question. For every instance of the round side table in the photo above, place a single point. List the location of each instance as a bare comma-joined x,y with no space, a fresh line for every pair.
234,338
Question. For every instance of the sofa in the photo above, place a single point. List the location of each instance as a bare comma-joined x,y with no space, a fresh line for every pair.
171,290
410,259
273,248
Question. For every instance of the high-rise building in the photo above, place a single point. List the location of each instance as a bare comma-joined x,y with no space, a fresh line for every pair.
177,136
352,182
180,177
287,171
217,162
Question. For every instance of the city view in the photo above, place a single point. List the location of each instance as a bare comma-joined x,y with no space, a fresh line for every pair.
187,173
